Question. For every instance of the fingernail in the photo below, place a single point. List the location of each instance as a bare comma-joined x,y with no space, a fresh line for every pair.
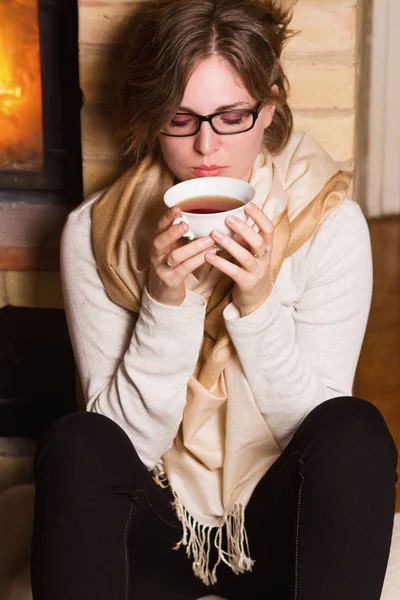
211,254
232,220
249,206
208,242
218,235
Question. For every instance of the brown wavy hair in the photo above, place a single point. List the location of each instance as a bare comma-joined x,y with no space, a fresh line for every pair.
170,37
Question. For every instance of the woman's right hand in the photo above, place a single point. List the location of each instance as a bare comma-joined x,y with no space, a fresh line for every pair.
166,285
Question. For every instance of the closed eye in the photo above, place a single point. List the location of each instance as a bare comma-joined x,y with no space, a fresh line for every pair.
233,118
176,123
233,121
181,120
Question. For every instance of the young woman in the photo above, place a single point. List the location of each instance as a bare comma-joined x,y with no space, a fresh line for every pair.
221,450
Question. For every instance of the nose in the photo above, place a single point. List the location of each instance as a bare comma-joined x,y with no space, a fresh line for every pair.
206,140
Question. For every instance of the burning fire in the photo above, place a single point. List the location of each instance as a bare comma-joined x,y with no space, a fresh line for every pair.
21,137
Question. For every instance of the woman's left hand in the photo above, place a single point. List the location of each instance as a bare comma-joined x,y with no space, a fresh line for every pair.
251,273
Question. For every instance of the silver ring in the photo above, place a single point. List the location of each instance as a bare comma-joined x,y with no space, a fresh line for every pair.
260,255
167,264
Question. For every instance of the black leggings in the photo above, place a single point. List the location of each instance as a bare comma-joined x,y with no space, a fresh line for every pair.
319,523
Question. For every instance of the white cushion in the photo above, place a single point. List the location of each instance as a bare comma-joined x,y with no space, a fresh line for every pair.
391,586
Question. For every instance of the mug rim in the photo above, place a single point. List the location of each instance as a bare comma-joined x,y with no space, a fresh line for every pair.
246,187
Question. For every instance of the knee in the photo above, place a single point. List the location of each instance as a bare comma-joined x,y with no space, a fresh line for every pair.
79,438
355,427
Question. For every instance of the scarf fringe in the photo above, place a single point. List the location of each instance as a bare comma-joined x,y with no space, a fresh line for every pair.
199,539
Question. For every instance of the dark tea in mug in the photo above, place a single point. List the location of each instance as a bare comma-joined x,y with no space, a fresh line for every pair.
204,205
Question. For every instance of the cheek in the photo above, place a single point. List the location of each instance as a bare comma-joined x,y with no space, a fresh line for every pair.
174,149
268,116
250,144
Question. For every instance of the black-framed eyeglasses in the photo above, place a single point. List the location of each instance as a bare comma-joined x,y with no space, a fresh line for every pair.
227,122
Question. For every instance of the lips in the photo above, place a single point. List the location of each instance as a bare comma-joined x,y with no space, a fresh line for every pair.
208,171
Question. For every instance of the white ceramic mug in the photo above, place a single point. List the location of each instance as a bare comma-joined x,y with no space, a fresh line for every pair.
201,225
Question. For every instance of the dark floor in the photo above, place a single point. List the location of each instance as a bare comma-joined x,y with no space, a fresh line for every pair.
378,374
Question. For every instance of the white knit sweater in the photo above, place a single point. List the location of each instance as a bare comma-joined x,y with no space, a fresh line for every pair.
297,350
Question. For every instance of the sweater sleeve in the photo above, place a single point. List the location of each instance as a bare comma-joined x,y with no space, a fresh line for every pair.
132,368
297,356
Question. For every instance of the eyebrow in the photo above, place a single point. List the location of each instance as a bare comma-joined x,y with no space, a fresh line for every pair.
220,108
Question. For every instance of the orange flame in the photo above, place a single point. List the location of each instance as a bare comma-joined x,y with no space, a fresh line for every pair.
21,138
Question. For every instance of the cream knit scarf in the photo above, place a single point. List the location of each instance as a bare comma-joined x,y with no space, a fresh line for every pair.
224,446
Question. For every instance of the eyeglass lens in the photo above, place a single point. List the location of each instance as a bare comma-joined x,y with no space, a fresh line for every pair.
228,122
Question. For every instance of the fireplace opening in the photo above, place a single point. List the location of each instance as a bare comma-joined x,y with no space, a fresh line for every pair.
40,181
40,102
21,131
